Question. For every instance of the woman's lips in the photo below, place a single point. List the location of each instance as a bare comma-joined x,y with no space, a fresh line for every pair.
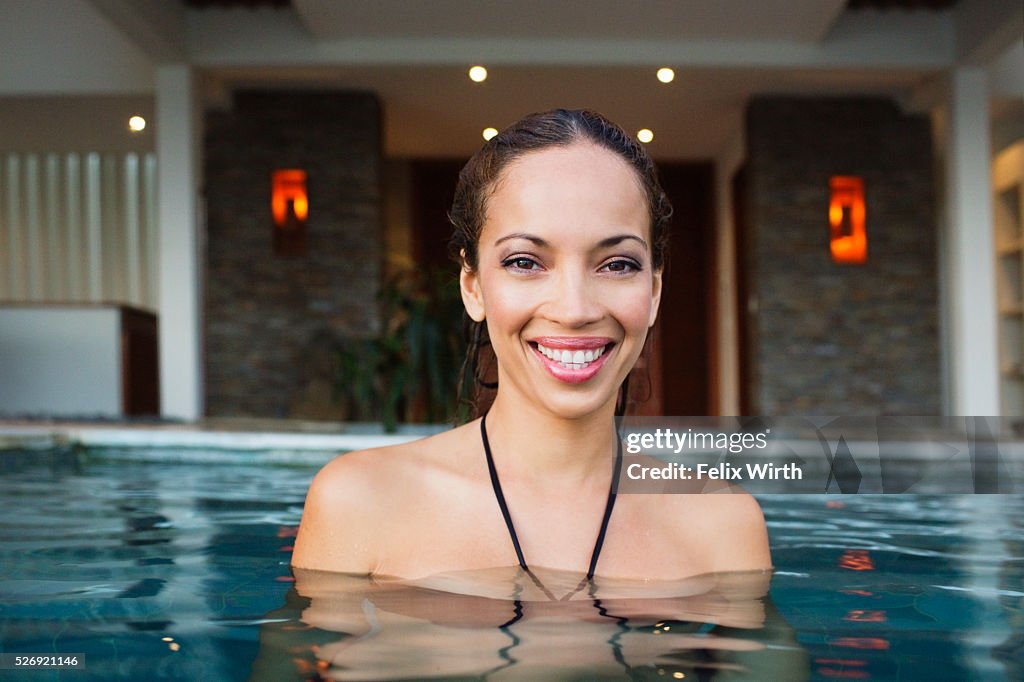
572,359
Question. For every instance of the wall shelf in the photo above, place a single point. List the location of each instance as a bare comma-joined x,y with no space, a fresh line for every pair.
1008,200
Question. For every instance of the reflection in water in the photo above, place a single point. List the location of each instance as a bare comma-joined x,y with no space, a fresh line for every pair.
169,571
1011,599
506,624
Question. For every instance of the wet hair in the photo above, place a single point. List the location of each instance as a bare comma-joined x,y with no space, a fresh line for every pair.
477,182
555,128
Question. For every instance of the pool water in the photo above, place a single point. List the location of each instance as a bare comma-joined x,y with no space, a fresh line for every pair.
181,571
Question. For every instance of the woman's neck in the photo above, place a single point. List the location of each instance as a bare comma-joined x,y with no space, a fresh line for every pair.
530,442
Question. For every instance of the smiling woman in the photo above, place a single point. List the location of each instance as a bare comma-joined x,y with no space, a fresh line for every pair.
560,232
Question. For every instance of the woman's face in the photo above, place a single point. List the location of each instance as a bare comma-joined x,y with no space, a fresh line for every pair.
565,280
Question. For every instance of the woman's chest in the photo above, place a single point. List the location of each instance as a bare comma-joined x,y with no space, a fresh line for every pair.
460,529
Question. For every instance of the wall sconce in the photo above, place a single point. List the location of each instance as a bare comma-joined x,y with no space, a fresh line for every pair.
846,213
289,205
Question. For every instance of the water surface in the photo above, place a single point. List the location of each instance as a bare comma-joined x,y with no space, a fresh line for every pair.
181,571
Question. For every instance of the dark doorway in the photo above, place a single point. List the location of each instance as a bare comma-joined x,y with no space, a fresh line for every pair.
433,188
687,344
746,313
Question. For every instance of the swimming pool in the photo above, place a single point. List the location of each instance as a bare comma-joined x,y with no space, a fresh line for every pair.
162,570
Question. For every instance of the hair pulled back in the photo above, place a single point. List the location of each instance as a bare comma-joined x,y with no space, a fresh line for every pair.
555,128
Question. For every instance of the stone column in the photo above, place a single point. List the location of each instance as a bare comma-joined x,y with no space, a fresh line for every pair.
830,338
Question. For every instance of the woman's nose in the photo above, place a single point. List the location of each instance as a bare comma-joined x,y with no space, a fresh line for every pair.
574,301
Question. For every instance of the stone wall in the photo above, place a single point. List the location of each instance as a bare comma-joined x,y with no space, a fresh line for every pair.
832,339
270,320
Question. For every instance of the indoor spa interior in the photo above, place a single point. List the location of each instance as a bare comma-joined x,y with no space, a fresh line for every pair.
260,332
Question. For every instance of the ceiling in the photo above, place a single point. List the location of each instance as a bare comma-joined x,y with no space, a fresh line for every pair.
881,4
610,19
436,111
600,54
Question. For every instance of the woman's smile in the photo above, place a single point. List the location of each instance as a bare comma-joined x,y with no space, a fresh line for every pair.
572,359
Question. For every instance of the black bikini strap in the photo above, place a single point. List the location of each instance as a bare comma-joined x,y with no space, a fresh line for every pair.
609,506
496,484
612,493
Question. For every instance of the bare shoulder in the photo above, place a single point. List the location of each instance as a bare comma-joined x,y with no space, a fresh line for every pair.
356,496
338,517
739,518
731,527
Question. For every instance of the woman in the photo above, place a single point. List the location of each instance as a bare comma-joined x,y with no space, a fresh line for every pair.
560,232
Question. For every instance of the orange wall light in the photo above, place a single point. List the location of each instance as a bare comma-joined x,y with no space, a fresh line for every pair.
289,205
289,202
846,211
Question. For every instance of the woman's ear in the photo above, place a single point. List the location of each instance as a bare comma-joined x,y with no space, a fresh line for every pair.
472,297
655,297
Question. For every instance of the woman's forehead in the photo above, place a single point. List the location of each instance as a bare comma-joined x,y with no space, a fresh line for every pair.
578,157
580,184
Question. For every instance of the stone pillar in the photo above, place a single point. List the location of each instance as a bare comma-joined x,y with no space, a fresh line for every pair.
274,320
834,339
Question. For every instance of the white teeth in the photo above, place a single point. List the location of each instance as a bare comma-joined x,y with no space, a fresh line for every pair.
571,359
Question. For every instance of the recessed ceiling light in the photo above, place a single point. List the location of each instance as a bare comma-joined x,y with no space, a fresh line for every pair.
489,133
478,74
645,135
136,124
666,75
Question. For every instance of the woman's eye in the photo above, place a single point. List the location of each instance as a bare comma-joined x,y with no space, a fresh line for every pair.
521,263
622,266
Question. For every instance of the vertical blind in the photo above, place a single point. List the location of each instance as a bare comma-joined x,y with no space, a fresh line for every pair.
78,228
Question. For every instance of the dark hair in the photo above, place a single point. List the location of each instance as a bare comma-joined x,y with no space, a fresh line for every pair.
477,180
555,128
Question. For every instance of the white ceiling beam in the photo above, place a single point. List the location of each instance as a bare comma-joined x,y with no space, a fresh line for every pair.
1006,73
64,47
985,29
805,21
219,38
156,26
829,14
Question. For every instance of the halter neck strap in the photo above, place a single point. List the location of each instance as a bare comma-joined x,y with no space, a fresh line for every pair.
500,496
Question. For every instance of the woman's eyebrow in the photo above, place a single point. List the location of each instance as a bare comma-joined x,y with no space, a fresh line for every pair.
618,239
522,235
603,244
